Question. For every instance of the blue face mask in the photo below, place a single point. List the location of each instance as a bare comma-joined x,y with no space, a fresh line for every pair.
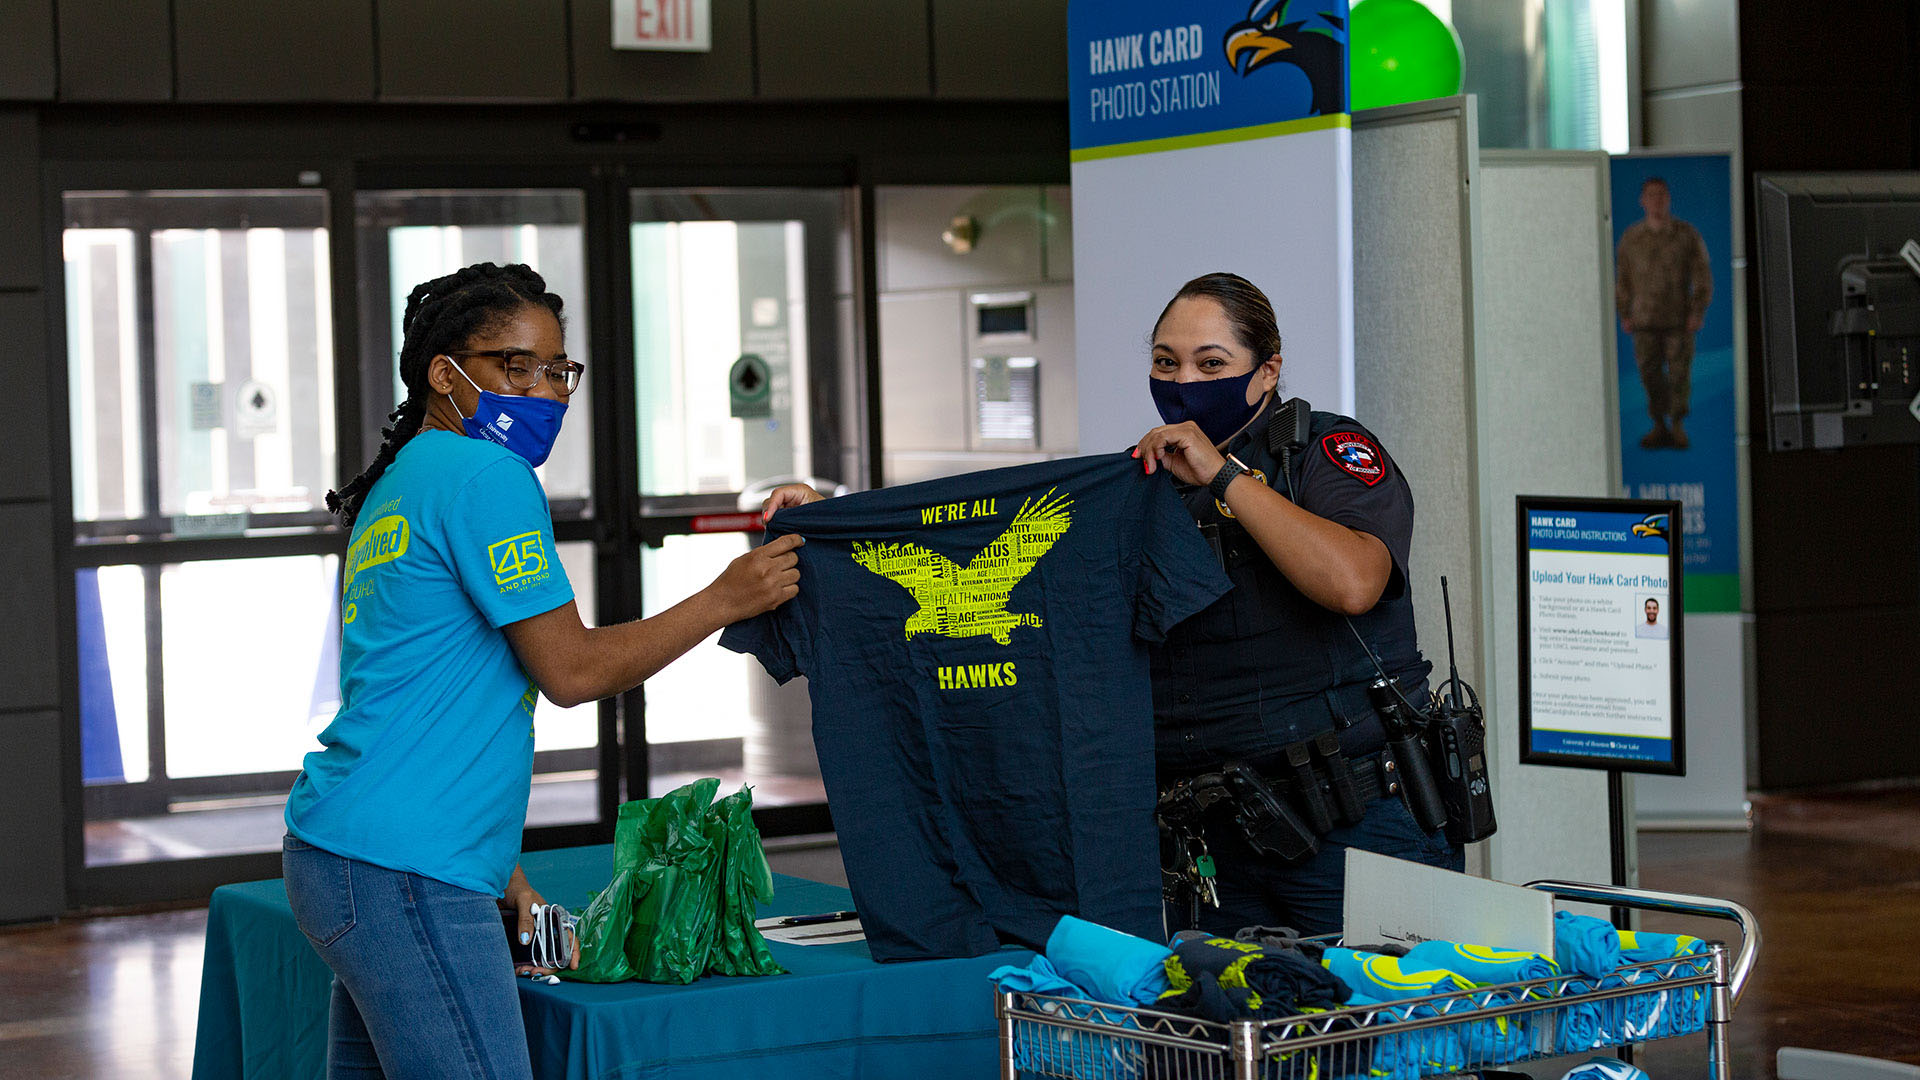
525,425
1218,406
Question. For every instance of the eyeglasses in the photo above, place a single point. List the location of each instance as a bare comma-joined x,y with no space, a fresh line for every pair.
524,369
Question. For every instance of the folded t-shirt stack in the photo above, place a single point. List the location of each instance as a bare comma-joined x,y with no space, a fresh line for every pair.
1086,962
1221,979
1655,1014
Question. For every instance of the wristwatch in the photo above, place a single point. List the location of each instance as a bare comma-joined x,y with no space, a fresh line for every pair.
1230,469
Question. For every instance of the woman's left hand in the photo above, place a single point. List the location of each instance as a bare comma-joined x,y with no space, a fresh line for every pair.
521,896
1183,450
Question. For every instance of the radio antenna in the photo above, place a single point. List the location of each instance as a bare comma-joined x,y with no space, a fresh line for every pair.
1453,668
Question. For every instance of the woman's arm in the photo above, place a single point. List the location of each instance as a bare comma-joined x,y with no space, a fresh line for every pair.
1341,569
573,663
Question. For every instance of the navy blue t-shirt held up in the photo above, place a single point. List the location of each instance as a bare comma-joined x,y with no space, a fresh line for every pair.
976,651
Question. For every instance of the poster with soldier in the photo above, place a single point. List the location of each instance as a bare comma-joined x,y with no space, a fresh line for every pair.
1673,298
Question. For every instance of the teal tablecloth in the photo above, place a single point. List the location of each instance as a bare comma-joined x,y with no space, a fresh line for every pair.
263,1002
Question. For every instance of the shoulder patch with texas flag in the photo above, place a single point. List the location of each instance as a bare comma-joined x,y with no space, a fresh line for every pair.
1357,455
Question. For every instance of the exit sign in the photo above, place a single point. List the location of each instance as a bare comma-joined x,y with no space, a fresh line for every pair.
673,25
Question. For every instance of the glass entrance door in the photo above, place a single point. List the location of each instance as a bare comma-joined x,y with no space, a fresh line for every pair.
409,236
717,330
744,380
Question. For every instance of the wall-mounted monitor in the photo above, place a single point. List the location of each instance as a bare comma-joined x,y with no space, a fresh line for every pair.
1840,307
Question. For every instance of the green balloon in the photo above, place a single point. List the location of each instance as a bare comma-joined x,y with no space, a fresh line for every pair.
1401,52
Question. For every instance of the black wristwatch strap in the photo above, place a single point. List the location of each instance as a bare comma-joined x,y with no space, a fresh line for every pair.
1228,470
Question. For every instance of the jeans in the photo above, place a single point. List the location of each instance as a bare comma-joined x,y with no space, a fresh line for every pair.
1258,890
423,984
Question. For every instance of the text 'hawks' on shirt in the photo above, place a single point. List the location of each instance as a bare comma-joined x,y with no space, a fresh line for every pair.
977,676
967,601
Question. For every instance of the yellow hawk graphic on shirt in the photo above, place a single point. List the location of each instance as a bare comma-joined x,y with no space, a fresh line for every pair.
967,601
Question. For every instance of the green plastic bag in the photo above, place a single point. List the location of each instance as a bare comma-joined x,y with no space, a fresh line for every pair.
688,876
746,880
674,916
602,930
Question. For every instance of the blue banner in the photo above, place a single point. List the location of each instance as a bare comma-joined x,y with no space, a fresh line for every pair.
1170,74
1673,265
1597,530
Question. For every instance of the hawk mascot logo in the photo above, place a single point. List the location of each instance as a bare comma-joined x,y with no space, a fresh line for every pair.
1315,43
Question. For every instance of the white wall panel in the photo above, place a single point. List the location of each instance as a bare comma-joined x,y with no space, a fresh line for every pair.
1148,223
923,381
1479,358
1413,350
1549,427
913,256
1544,385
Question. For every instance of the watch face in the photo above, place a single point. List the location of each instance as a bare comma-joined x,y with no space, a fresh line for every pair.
1220,504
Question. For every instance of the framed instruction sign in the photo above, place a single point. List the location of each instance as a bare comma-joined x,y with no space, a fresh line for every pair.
1601,677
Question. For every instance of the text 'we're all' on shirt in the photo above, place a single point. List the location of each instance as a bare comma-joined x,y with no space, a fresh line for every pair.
976,652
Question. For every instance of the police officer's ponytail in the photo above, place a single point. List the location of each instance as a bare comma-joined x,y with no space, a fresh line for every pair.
1247,308
441,315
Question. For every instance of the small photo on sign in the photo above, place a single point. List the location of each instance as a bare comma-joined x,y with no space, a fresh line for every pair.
1650,617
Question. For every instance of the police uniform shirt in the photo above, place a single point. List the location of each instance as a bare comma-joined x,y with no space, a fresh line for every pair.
1265,666
975,649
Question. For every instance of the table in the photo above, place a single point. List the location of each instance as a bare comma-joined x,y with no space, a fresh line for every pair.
263,1001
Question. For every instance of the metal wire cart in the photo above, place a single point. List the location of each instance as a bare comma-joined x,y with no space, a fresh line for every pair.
1461,1032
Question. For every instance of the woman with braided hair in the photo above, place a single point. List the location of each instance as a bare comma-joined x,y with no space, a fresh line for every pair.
404,829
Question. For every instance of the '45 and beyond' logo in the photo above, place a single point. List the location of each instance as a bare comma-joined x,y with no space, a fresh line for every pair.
518,560
967,601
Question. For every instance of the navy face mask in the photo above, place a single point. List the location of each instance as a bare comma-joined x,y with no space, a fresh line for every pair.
1218,406
525,425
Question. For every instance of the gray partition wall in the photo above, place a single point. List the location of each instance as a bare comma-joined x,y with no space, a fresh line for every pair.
1435,376
1545,378
32,868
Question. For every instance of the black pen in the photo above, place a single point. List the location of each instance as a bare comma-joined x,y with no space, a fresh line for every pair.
809,920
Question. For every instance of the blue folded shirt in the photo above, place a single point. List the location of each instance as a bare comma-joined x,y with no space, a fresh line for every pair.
1584,945
1480,965
1387,978
1084,1054
1038,977
1640,946
1110,966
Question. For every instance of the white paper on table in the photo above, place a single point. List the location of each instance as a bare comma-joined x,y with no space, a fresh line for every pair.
826,933
1398,902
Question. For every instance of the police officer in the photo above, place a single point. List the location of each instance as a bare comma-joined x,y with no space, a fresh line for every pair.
1317,549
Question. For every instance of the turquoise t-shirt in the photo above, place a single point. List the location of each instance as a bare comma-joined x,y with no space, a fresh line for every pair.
427,766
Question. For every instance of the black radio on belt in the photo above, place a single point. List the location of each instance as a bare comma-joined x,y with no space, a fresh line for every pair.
1458,732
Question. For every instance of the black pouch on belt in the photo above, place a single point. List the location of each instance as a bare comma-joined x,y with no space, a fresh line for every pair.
1406,758
1306,785
1346,797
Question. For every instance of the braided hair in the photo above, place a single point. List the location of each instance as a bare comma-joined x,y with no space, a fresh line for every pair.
442,315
